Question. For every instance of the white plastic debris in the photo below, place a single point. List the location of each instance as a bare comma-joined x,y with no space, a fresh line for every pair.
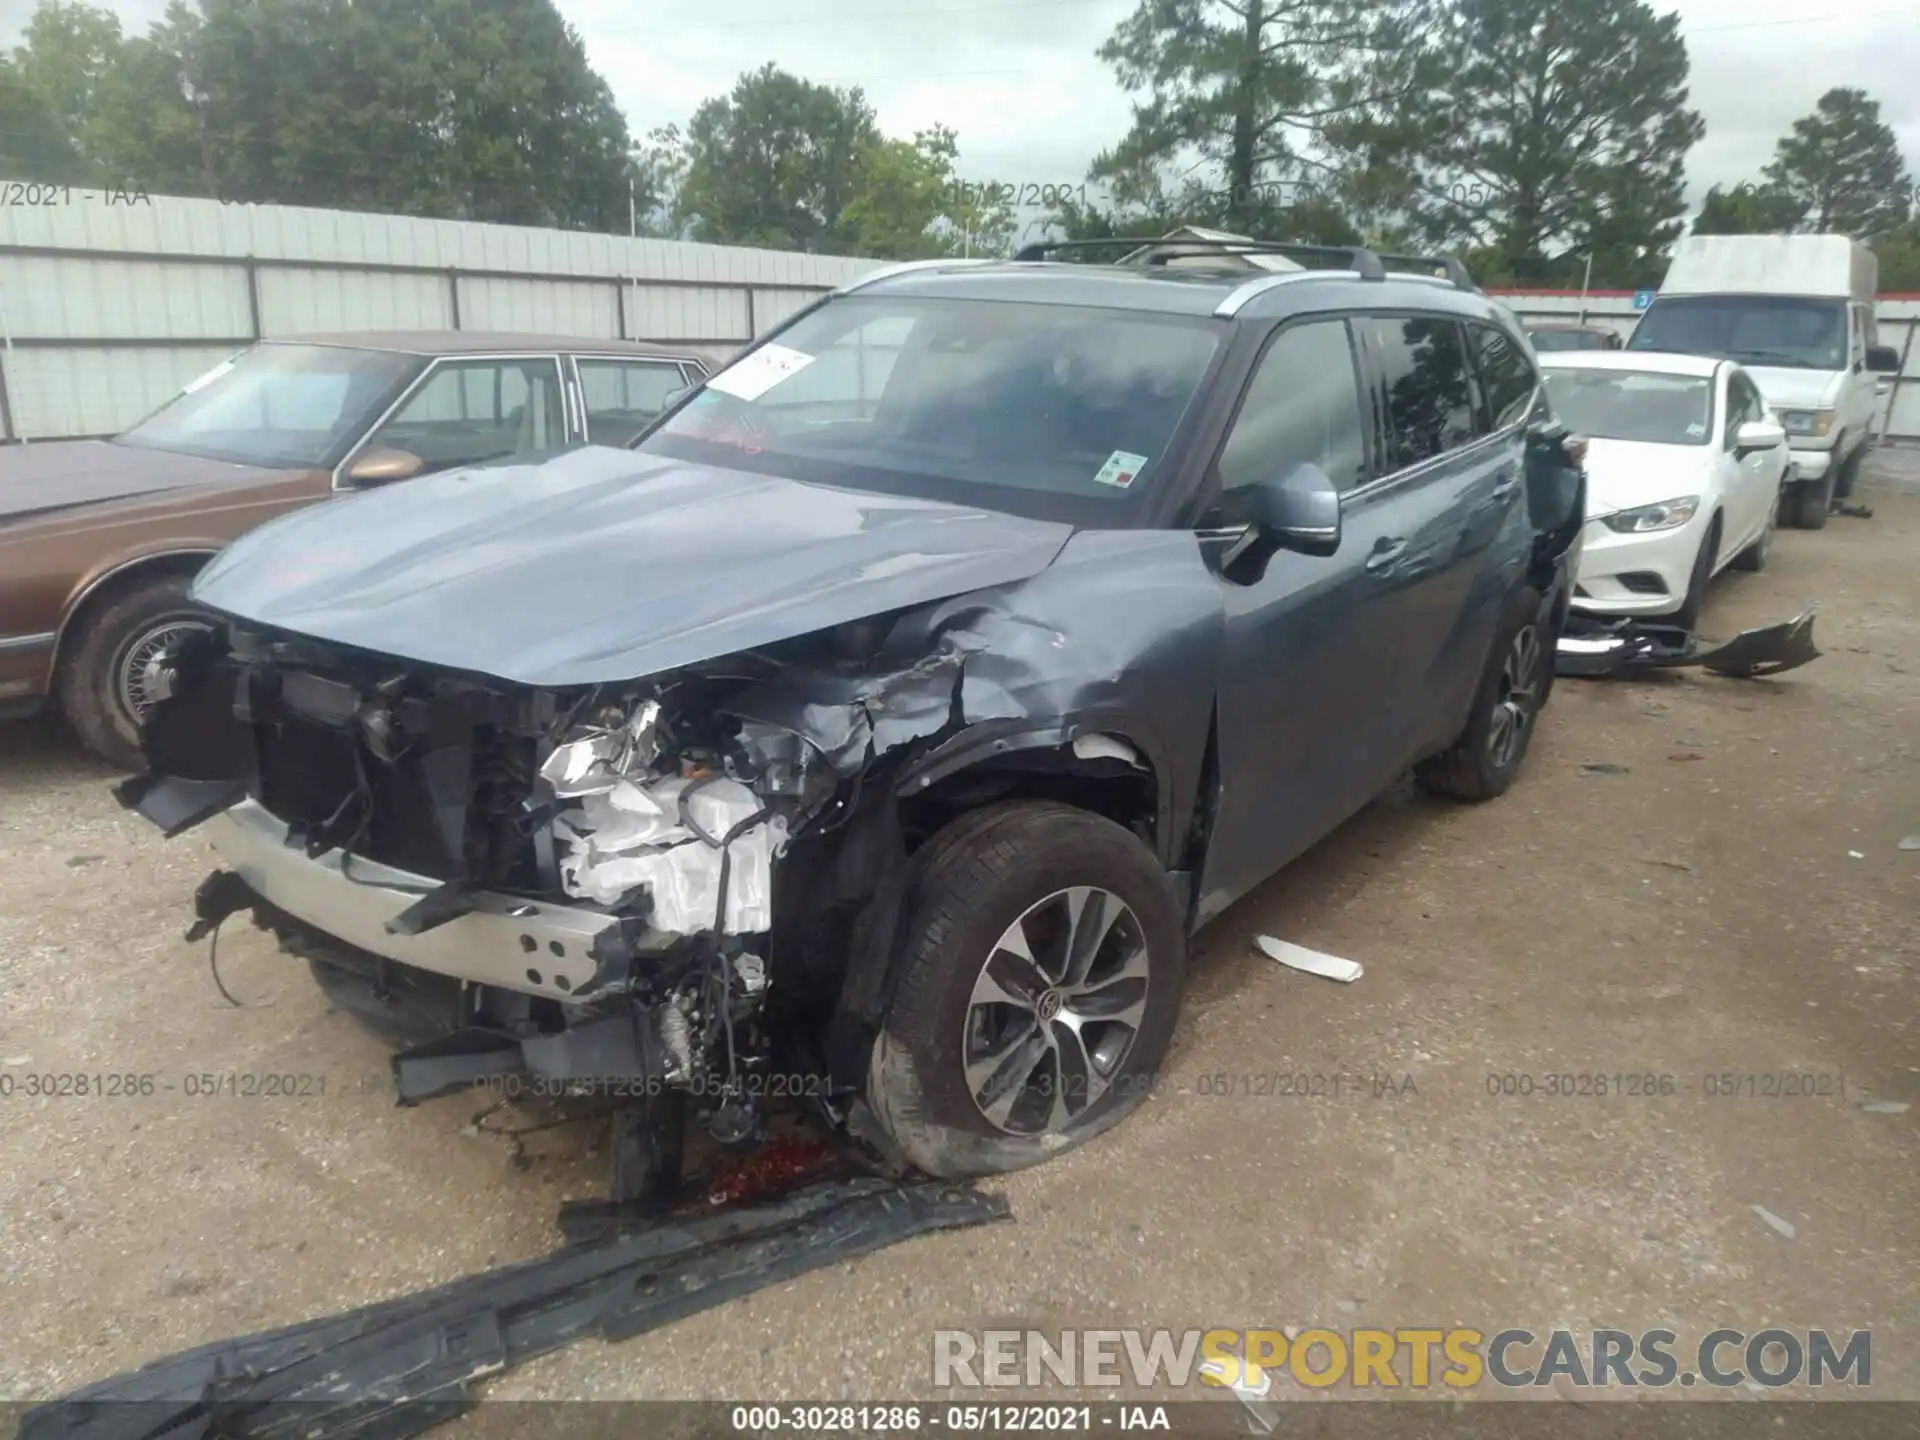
1106,747
1784,1227
1886,1107
1855,855
630,836
1912,842
1311,962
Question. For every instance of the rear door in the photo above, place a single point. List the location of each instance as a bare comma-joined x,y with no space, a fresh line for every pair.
1450,502
1308,677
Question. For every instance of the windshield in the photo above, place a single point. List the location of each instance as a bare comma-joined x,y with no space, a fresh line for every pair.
1632,405
1054,411
1546,341
1754,329
278,405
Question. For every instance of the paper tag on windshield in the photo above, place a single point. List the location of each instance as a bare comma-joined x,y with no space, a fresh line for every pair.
753,375
212,375
1120,469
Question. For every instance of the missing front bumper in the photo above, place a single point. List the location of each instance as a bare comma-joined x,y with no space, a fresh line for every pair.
530,946
1593,647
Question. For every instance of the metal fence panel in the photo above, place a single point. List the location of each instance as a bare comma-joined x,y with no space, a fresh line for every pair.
98,390
304,302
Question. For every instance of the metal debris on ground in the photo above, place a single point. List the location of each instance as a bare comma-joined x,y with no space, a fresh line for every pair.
1886,1107
1309,962
1603,767
1911,842
1784,1227
397,1368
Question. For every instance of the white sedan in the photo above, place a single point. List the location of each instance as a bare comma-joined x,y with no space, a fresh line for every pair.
1684,468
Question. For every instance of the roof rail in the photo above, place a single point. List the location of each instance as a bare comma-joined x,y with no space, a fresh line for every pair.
1237,298
902,267
1349,257
1453,271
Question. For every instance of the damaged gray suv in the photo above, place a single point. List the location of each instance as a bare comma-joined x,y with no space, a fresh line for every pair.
876,731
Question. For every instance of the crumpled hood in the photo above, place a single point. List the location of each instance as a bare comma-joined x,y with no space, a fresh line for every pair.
1786,388
605,565
1622,474
61,474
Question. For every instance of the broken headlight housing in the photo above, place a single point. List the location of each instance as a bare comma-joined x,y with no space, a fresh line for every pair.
1644,519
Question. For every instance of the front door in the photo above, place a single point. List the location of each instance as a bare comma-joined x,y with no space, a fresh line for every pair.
1308,662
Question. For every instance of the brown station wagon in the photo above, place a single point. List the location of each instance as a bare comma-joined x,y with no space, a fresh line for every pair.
100,539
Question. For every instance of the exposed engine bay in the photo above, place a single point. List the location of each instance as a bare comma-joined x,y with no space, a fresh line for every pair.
579,884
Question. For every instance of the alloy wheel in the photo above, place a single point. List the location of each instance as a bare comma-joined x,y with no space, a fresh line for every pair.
1055,1010
1517,699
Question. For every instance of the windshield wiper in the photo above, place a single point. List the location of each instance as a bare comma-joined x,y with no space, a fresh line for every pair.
1775,357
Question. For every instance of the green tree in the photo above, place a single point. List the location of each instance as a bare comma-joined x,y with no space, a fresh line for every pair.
61,69
476,109
908,203
775,162
1841,166
1898,251
1747,209
1244,103
1564,132
34,144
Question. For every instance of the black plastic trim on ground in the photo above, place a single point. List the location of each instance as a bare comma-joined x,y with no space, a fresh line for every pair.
397,1368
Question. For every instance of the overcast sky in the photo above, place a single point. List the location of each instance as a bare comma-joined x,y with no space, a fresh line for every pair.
1018,81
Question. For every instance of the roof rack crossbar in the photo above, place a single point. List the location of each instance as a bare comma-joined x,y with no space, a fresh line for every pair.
1349,257
1451,269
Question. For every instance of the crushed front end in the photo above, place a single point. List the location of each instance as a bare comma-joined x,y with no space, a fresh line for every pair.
575,885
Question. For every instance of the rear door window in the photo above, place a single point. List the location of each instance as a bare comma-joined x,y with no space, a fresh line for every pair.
1506,374
1423,367
623,397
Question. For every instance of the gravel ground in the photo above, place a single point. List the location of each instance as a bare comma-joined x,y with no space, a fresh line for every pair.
1730,902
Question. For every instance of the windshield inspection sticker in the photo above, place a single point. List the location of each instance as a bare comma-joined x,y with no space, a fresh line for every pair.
753,375
1121,468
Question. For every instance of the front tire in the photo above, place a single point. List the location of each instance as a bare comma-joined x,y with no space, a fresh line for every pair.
1701,576
1038,985
102,685
1812,500
1513,688
1754,557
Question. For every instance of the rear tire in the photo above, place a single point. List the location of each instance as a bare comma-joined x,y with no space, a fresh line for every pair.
1513,689
100,685
965,1082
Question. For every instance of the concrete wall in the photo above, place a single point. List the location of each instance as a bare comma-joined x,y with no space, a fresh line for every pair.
1898,317
112,306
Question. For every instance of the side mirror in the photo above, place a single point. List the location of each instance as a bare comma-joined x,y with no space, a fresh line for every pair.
1883,359
381,466
1758,435
1298,509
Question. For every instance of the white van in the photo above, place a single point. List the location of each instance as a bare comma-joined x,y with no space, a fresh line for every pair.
1797,312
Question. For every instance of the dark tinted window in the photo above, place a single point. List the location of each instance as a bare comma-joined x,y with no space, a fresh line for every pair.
1302,407
1429,397
1506,373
